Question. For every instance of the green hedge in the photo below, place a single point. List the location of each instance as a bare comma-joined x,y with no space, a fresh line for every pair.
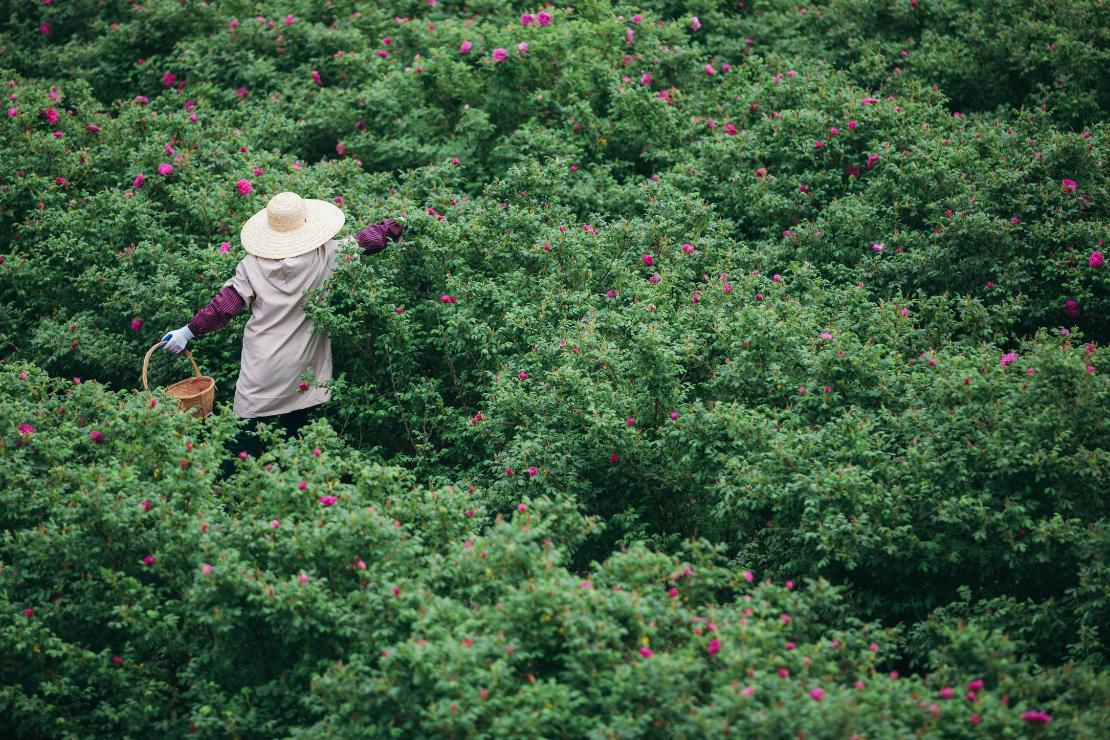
137,597
882,198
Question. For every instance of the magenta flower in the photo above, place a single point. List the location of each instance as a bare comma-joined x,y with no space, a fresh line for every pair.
872,160
522,47
527,19
168,79
819,144
1068,185
748,576
289,19
1071,308
645,79
695,24
709,70
136,323
648,260
244,186
499,54
25,430
96,436
646,651
1007,358
714,646
1095,260
869,101
206,569
465,47
328,500
1036,718
544,18
674,416
852,124
225,247
316,76
12,112
165,169
630,421
149,560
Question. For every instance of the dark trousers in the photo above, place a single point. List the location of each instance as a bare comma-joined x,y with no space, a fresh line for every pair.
247,440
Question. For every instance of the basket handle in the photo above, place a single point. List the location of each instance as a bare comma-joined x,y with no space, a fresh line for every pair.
146,362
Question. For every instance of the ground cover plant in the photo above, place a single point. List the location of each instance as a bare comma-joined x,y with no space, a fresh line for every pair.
743,369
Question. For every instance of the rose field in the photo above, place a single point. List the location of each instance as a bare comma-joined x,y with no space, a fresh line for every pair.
742,370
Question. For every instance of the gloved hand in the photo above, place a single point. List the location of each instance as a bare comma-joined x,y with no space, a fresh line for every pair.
176,340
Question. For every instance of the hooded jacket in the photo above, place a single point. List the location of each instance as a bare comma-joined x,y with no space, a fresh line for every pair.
279,344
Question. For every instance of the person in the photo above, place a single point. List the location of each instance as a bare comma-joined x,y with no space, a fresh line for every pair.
291,247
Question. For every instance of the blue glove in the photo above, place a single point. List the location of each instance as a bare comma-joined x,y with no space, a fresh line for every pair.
176,340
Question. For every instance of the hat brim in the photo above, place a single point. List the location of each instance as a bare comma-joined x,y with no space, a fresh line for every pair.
322,221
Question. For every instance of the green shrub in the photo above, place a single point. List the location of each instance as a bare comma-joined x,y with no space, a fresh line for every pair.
137,597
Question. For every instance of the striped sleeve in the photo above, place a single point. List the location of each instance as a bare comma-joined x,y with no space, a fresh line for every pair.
373,238
218,312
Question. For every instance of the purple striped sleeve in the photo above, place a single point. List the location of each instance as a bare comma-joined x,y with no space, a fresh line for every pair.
218,312
373,238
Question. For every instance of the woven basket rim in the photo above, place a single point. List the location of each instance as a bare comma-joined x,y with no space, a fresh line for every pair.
209,387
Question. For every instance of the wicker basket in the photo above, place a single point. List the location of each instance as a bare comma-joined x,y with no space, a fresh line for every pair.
194,394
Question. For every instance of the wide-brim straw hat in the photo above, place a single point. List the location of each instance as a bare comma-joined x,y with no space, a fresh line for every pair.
290,225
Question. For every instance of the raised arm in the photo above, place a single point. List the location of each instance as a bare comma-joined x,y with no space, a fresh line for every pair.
373,238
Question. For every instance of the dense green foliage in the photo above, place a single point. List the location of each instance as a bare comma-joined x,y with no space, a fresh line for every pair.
815,292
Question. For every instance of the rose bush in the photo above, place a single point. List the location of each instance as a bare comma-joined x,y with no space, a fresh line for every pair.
819,288
136,596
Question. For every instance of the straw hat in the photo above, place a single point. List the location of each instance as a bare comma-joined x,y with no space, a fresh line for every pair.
290,225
